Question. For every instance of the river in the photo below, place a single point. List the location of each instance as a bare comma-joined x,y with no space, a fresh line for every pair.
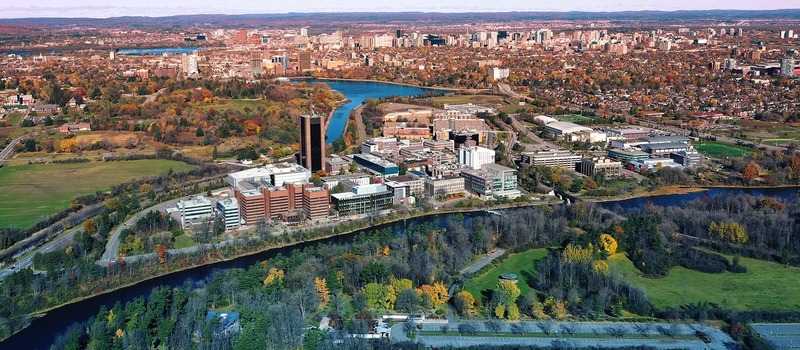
158,50
42,331
357,92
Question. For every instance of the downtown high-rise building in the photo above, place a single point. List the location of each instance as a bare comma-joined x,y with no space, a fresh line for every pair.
787,64
312,142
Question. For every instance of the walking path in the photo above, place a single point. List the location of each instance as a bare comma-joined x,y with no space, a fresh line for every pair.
685,335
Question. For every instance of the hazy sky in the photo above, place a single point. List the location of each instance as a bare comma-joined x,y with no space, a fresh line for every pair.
113,8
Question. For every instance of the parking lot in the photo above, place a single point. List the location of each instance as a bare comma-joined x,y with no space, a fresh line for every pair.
780,335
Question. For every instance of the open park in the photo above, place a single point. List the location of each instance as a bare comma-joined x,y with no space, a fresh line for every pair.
34,192
523,265
765,285
718,149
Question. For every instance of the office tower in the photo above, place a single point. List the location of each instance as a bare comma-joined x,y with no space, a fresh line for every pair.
787,64
255,64
304,31
189,64
399,33
241,37
312,142
304,60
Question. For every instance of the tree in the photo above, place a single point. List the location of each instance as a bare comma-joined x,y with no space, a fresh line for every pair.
732,231
437,293
161,251
407,301
377,296
30,145
608,243
274,275
493,326
463,302
512,312
750,172
576,254
507,292
219,225
322,288
89,227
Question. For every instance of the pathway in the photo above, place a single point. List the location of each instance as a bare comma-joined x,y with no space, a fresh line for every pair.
585,330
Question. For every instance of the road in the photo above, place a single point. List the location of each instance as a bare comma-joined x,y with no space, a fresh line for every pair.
112,246
152,97
718,338
721,138
482,262
362,132
6,152
59,243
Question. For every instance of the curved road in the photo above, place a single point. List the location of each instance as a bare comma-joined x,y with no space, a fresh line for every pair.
112,245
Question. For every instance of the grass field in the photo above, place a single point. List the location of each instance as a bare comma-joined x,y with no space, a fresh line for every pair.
578,119
721,149
765,286
29,193
236,105
522,264
778,142
183,242
460,99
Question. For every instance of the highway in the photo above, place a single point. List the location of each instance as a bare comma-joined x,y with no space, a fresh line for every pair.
59,243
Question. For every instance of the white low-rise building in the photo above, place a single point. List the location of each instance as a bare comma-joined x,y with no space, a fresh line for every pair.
194,210
475,157
228,209
276,174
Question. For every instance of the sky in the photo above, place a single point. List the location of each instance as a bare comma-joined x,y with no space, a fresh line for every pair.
155,8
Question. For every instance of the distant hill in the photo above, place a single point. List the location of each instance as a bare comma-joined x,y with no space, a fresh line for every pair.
345,18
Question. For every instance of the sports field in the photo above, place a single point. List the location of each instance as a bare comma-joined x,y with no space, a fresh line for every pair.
522,264
29,193
721,149
579,119
765,286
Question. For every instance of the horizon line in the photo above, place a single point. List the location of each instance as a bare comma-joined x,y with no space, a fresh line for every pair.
400,12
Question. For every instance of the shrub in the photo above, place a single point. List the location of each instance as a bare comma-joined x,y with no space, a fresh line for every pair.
702,261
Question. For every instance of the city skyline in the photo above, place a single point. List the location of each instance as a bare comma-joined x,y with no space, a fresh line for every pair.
87,8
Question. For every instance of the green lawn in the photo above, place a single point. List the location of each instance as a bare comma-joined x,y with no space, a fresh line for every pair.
461,99
183,242
236,105
765,286
721,149
29,193
522,264
778,142
578,119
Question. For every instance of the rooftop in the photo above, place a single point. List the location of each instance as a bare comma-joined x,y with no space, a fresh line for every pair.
665,139
665,145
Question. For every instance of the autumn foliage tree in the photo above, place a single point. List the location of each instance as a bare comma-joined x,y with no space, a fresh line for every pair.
732,231
608,243
161,250
322,288
750,172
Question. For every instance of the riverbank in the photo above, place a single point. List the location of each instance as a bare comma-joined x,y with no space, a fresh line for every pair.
381,82
361,225
664,191
197,267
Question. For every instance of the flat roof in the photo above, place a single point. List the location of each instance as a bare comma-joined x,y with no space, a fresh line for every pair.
665,139
566,126
665,145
